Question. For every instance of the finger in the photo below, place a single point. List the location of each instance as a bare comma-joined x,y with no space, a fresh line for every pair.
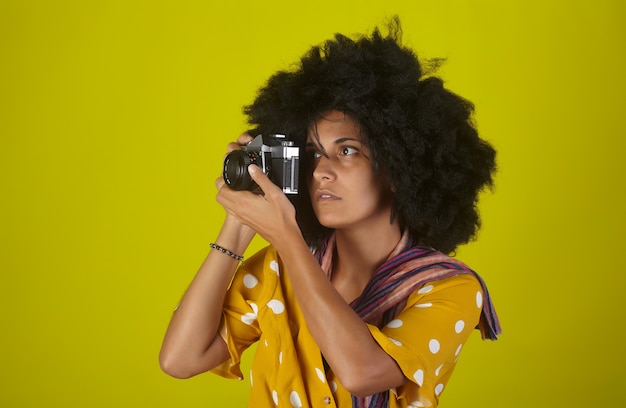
264,183
219,183
233,146
244,139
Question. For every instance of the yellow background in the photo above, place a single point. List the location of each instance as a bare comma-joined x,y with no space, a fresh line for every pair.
114,116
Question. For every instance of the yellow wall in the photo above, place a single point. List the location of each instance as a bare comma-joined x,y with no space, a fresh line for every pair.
114,117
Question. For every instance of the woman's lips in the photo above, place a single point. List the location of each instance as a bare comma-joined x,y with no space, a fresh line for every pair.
325,195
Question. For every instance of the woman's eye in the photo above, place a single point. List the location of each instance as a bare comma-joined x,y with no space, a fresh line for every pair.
313,155
348,150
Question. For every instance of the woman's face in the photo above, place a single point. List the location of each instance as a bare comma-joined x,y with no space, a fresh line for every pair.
345,191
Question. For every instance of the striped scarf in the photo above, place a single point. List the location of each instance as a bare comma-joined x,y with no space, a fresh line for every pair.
408,268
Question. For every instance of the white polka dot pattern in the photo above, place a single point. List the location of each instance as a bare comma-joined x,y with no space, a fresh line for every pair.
394,324
320,375
458,326
250,318
333,387
274,266
425,289
434,346
396,342
250,281
276,305
419,377
295,400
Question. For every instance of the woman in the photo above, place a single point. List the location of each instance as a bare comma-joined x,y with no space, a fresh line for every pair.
351,304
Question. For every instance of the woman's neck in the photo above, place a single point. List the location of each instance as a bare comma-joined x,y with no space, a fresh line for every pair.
358,255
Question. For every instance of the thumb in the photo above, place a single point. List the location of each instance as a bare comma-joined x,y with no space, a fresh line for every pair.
260,178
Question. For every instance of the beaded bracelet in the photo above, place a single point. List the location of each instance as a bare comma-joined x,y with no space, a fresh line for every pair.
227,252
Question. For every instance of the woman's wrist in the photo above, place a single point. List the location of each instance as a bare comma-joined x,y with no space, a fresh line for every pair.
234,236
289,240
227,252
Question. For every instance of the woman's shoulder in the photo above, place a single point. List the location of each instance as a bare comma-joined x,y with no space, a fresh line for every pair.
463,289
463,281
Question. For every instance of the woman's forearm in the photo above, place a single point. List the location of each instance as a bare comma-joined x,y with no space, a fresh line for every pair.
191,344
359,362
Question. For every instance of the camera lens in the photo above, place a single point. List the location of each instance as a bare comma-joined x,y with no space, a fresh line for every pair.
235,170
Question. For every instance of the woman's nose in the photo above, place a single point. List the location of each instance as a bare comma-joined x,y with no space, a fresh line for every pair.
323,169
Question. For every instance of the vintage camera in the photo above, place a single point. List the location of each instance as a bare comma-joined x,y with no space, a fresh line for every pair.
274,154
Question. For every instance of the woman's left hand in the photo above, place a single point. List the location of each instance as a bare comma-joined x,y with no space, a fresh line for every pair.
270,214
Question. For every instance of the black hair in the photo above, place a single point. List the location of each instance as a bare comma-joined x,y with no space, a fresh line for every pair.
421,134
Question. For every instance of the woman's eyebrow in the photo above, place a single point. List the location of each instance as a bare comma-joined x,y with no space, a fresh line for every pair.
336,141
347,139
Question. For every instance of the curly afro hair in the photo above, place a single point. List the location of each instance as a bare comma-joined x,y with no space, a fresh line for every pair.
419,133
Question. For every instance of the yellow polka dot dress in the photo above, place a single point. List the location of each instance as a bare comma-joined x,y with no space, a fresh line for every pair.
425,339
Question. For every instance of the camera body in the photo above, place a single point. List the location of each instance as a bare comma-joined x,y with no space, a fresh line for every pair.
274,154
